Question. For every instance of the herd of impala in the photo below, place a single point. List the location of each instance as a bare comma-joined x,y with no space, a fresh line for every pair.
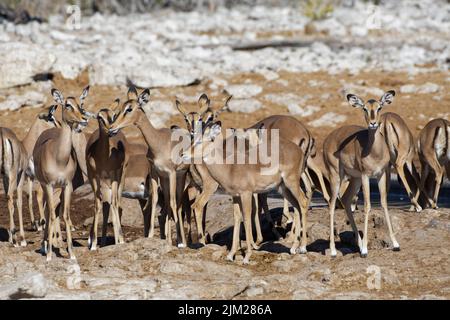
56,154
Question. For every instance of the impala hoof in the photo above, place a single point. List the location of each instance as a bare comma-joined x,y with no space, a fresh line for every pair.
181,245
293,250
230,257
246,261
44,248
303,250
364,253
396,247
333,253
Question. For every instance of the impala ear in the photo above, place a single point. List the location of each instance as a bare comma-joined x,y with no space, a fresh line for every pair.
181,108
132,93
52,110
144,98
388,97
225,108
57,96
49,114
204,104
355,101
84,95
115,105
216,129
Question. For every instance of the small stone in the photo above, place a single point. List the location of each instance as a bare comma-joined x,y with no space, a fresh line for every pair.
254,291
244,91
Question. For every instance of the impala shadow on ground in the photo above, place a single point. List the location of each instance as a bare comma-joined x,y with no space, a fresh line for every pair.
397,198
4,236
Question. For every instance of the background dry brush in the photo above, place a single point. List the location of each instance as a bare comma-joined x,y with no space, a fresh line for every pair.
21,11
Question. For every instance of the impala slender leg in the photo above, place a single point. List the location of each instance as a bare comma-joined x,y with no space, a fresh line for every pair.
94,229
246,203
259,236
366,190
51,220
425,171
334,183
145,208
400,168
297,198
34,223
415,175
322,184
265,207
41,207
9,186
118,234
58,241
178,184
347,200
384,205
236,229
67,195
92,240
286,212
23,242
166,212
437,186
208,190
304,206
154,199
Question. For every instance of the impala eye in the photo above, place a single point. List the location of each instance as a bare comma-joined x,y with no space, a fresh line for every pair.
129,109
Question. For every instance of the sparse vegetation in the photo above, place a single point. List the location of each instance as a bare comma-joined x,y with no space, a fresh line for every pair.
317,9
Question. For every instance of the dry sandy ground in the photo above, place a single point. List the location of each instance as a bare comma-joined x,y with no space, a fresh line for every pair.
151,269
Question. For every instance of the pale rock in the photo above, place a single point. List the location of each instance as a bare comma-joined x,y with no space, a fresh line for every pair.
30,99
254,291
161,106
244,91
21,62
30,285
69,64
244,105
307,111
269,75
421,89
329,119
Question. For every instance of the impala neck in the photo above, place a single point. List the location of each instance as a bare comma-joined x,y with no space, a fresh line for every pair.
33,134
375,141
151,135
103,141
64,144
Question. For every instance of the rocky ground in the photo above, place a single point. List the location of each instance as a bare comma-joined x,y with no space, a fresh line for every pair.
305,71
152,269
